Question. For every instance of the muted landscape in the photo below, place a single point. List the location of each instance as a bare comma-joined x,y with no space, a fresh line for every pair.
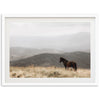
47,65
37,46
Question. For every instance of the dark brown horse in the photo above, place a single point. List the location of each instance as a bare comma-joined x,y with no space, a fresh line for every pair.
68,63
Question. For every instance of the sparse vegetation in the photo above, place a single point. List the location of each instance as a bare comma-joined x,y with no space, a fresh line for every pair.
47,72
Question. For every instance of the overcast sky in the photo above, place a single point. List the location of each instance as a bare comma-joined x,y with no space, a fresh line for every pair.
67,36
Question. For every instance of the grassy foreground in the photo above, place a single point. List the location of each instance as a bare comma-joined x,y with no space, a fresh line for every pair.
47,72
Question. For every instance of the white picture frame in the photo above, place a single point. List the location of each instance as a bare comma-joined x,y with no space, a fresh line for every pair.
92,81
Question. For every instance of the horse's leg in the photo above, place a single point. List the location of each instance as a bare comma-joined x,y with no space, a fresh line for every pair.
75,67
65,66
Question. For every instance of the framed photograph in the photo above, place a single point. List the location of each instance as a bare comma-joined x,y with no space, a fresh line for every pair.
49,50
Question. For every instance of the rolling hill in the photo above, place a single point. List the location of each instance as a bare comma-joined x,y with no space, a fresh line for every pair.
50,59
17,53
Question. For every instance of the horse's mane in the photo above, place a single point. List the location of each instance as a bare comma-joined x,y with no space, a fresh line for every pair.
63,58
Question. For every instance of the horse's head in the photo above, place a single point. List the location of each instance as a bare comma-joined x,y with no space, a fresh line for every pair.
61,59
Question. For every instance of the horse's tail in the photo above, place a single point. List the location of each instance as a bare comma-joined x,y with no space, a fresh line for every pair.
75,67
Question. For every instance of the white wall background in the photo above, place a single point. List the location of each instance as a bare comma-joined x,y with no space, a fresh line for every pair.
51,7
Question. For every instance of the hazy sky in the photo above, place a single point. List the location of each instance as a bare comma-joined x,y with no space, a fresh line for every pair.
67,36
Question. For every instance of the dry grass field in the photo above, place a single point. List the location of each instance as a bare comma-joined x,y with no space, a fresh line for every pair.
47,72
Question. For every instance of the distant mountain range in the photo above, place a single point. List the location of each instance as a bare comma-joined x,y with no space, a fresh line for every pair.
52,59
17,53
